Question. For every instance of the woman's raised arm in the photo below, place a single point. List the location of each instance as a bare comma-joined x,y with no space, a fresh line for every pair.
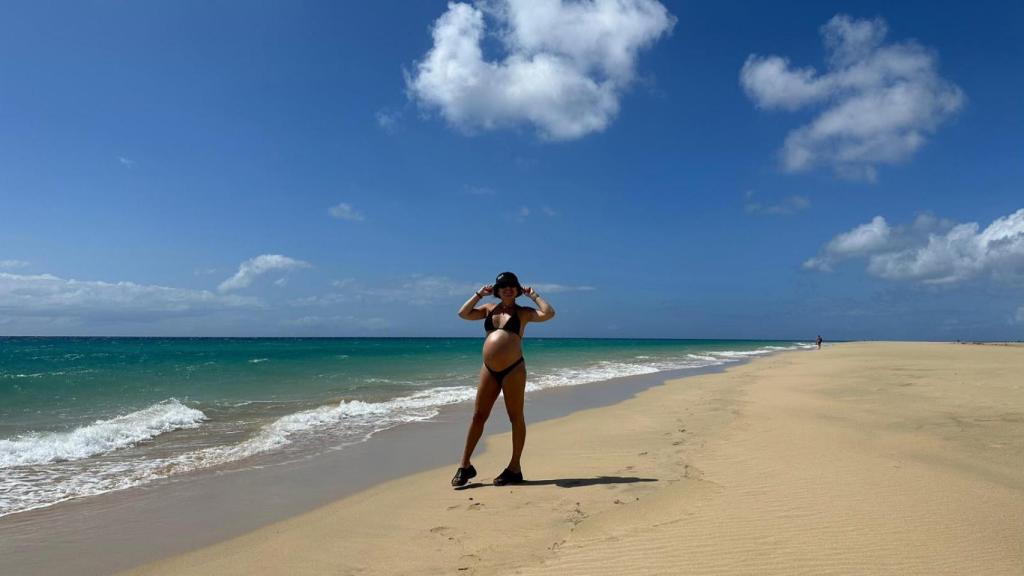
468,310
545,311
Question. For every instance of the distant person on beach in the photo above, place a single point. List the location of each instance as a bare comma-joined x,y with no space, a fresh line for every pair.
504,370
818,341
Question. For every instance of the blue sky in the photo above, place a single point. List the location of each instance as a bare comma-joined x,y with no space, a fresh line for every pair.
656,169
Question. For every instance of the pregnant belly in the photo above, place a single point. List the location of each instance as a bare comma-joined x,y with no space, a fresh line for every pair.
501,349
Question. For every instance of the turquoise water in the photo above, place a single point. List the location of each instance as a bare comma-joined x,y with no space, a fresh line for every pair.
82,416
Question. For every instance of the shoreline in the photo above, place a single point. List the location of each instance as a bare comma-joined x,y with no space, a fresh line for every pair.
864,458
121,529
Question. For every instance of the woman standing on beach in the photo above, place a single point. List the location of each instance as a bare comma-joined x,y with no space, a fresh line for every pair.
504,370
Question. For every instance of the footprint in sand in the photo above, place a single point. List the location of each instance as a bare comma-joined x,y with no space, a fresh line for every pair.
444,532
475,506
466,561
692,473
577,515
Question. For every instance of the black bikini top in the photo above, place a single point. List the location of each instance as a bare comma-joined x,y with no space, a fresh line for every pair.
511,325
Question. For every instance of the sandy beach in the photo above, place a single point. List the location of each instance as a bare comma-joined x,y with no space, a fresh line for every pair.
861,458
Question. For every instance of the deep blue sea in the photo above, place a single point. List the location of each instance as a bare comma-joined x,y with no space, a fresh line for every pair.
84,416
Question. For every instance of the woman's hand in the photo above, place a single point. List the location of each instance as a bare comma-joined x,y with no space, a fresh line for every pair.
469,311
545,312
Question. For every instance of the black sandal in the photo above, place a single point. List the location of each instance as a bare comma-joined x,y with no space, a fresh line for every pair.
508,477
463,475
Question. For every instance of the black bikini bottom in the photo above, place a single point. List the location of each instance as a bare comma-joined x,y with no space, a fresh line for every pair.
499,375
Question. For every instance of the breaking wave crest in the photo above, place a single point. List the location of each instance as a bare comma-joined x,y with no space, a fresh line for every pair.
100,437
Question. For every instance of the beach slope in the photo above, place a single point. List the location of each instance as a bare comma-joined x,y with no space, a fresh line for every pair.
861,458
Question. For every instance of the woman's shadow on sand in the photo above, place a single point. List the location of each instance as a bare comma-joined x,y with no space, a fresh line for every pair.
569,482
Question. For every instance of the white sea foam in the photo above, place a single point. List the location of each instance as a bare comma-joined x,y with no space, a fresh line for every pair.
604,370
27,488
258,360
99,437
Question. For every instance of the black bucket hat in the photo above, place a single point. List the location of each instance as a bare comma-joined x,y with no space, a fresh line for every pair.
507,279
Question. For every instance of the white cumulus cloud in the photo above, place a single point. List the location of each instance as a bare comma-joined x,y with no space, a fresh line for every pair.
563,69
880,100
9,264
388,120
789,205
342,322
555,288
863,239
418,289
53,296
343,211
255,267
932,251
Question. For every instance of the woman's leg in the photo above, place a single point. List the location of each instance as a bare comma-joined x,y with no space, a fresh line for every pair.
486,393
514,389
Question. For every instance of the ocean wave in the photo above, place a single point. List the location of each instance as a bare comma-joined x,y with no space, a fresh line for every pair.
32,375
259,360
607,370
44,374
604,370
29,487
100,437
388,381
740,353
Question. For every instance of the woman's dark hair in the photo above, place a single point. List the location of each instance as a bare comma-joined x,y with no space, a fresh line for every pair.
519,290
507,279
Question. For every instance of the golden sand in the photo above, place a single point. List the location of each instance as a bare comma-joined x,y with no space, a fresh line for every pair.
861,458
